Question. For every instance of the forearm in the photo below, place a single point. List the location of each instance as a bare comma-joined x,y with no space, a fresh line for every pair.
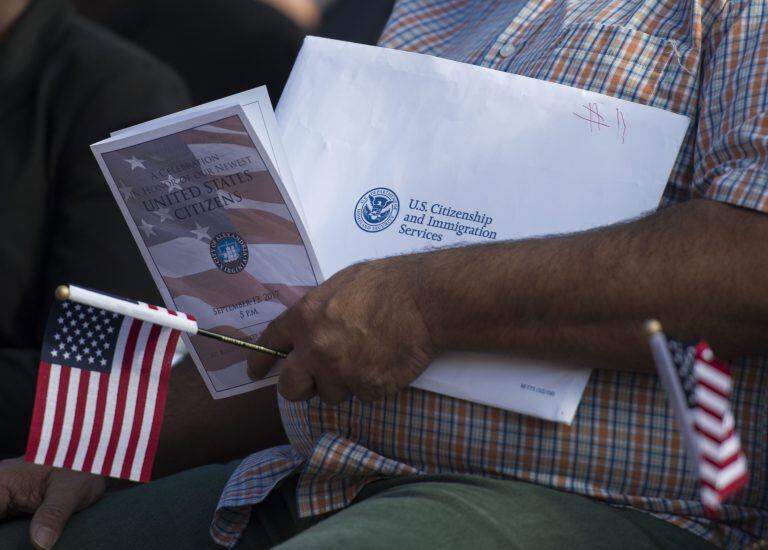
698,267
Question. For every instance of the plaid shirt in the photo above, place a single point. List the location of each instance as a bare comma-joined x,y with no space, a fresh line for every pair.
707,59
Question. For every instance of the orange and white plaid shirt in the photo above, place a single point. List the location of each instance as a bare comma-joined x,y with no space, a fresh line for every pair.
707,59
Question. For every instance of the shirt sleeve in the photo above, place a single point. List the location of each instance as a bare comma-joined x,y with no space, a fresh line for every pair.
731,158
17,394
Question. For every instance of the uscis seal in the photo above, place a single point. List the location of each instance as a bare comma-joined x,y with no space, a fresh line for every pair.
377,209
229,252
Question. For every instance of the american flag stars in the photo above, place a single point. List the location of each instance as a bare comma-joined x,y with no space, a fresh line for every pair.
94,329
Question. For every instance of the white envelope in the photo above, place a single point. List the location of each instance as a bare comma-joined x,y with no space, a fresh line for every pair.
378,138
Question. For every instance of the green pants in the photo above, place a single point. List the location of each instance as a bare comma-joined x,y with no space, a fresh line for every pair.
443,511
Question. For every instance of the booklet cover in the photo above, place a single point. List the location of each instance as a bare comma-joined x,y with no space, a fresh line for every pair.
216,227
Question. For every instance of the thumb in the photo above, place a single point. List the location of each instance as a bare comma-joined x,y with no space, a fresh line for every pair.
275,336
61,500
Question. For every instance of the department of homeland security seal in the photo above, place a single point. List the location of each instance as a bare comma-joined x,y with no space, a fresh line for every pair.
377,209
229,252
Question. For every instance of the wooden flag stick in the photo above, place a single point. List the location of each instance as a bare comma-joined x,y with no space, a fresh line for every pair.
135,309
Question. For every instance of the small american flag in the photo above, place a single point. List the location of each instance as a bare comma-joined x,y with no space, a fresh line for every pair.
101,390
701,401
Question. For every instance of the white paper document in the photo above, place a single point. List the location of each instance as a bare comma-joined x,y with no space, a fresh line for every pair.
394,152
212,217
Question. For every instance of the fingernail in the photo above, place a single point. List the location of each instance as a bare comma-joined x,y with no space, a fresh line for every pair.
44,538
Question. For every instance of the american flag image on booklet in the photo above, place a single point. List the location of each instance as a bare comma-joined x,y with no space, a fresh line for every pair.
216,228
699,389
103,380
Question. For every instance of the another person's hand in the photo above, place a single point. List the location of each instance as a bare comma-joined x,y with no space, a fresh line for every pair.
362,332
305,13
51,494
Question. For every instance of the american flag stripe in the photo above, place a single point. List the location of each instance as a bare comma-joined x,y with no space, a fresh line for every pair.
723,476
712,426
98,424
62,380
714,403
38,413
717,451
129,393
42,417
89,415
713,379
118,385
77,421
68,421
143,467
713,466
722,465
103,413
149,367
141,401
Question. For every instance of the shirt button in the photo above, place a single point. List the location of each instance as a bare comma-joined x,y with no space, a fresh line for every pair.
507,50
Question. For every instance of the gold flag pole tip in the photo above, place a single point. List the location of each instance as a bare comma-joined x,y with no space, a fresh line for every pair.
62,292
652,327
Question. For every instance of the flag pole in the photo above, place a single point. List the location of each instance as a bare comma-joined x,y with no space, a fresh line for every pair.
241,343
124,307
667,373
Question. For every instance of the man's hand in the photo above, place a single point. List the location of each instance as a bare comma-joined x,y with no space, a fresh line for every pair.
360,333
51,494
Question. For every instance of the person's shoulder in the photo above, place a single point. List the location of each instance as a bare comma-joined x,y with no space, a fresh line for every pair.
100,50
90,62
